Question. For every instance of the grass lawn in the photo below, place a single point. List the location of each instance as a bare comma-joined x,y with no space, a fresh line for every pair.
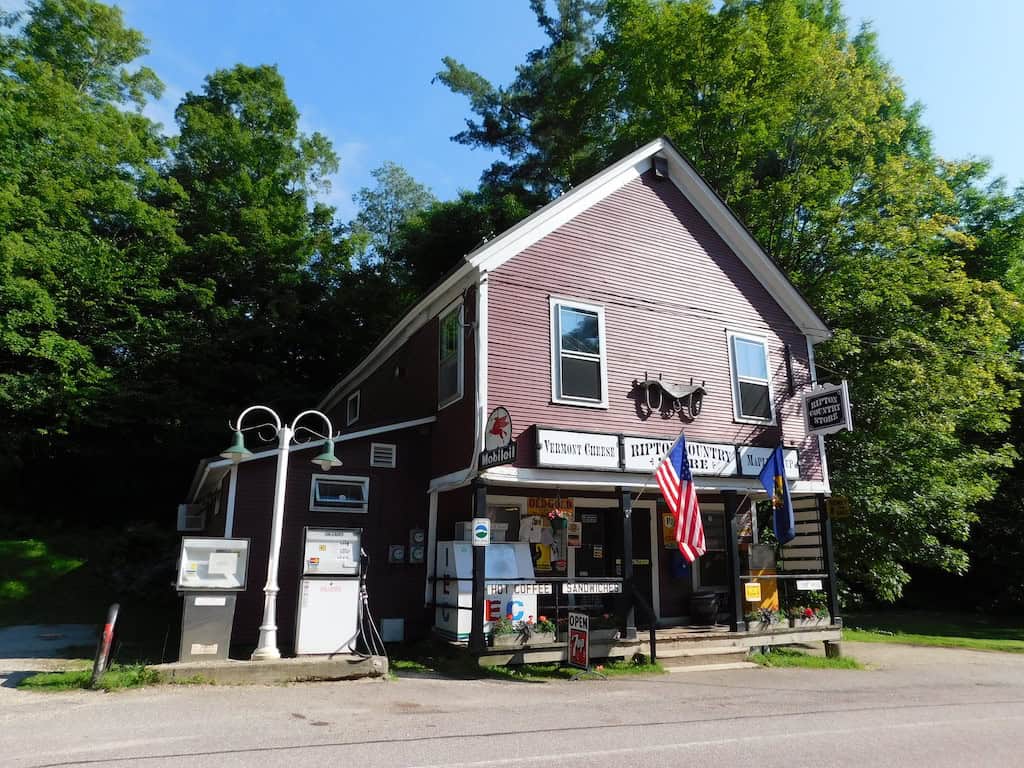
790,657
947,630
117,677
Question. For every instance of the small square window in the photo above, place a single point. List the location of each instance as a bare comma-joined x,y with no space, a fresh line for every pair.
352,408
334,493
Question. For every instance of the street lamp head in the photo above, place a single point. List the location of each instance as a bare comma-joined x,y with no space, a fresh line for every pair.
237,451
327,459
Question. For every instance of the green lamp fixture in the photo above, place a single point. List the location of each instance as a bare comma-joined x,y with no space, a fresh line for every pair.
237,451
327,459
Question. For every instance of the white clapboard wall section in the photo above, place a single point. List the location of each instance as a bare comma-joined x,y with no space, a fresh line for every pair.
804,552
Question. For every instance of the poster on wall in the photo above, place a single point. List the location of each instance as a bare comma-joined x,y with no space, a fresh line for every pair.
668,530
544,527
574,535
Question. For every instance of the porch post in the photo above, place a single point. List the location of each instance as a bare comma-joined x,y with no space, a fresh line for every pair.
825,523
628,617
476,626
736,622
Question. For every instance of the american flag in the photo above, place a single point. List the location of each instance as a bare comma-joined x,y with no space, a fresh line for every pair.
676,484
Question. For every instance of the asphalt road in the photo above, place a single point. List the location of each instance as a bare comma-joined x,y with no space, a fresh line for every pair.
916,707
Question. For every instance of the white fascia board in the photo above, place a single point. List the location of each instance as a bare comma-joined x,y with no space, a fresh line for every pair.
710,206
603,481
425,309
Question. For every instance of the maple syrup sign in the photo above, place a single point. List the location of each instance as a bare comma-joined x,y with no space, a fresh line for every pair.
499,447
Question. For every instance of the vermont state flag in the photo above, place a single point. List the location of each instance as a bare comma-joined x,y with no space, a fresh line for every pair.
773,478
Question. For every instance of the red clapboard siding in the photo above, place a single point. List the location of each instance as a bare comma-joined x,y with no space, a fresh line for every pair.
670,288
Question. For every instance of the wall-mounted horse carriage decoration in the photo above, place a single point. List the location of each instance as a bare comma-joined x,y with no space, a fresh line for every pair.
668,398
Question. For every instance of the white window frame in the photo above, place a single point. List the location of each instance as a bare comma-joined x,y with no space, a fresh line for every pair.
555,303
349,419
455,306
364,481
735,378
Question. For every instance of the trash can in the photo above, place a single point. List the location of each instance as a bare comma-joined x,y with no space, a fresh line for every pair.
704,607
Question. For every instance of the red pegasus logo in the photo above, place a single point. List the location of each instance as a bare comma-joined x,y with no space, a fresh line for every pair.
500,426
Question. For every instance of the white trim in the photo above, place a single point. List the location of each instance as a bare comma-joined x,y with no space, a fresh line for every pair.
606,481
455,307
734,377
317,444
418,316
821,438
350,479
555,303
229,518
349,419
431,543
452,480
481,366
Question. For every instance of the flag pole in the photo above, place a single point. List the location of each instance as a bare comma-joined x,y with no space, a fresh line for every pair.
654,465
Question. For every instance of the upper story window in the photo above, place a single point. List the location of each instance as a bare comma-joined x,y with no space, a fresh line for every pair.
352,408
578,362
751,385
336,493
449,358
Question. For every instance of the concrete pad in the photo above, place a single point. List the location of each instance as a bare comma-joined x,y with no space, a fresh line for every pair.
713,667
299,669
44,641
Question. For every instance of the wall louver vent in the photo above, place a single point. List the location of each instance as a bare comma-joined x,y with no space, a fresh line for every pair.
383,455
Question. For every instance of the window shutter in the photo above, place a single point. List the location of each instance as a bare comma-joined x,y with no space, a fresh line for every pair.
383,455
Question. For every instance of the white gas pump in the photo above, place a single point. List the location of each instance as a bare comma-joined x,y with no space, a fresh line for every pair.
329,596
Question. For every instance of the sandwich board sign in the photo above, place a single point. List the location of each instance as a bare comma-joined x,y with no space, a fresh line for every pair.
579,640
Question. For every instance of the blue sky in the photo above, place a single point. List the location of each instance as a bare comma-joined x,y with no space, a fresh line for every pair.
360,72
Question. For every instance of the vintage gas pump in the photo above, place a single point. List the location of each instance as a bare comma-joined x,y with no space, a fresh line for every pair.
210,574
329,595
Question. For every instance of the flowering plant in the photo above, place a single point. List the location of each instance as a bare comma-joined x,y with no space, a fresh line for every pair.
544,624
504,626
559,513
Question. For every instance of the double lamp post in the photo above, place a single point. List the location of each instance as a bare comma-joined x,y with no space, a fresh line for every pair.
266,648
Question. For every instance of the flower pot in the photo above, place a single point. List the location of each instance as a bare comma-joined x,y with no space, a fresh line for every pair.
520,640
703,607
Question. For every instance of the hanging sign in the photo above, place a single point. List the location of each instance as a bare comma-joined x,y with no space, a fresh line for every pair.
592,588
827,409
499,447
752,461
576,450
579,640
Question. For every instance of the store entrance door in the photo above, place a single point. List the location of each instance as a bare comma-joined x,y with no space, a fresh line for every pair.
640,524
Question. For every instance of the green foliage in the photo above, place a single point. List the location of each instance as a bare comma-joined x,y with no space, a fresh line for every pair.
790,657
805,131
947,630
116,678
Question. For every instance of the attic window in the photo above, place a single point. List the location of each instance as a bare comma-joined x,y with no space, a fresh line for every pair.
383,455
352,408
751,386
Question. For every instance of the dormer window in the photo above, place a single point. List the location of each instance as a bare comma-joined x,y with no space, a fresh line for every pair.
579,373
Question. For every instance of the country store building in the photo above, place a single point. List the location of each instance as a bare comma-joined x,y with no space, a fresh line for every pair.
537,385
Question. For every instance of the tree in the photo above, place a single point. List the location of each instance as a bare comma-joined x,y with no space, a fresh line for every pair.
384,210
806,133
82,244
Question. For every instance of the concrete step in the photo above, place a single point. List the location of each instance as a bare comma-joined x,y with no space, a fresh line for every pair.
700,656
713,667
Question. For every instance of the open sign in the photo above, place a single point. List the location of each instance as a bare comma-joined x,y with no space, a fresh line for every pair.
579,640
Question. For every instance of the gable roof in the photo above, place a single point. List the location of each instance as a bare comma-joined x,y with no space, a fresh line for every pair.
546,220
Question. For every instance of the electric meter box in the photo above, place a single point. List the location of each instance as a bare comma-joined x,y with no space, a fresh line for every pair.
208,564
331,552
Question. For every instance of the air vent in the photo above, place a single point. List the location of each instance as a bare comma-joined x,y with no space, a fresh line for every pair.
383,455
